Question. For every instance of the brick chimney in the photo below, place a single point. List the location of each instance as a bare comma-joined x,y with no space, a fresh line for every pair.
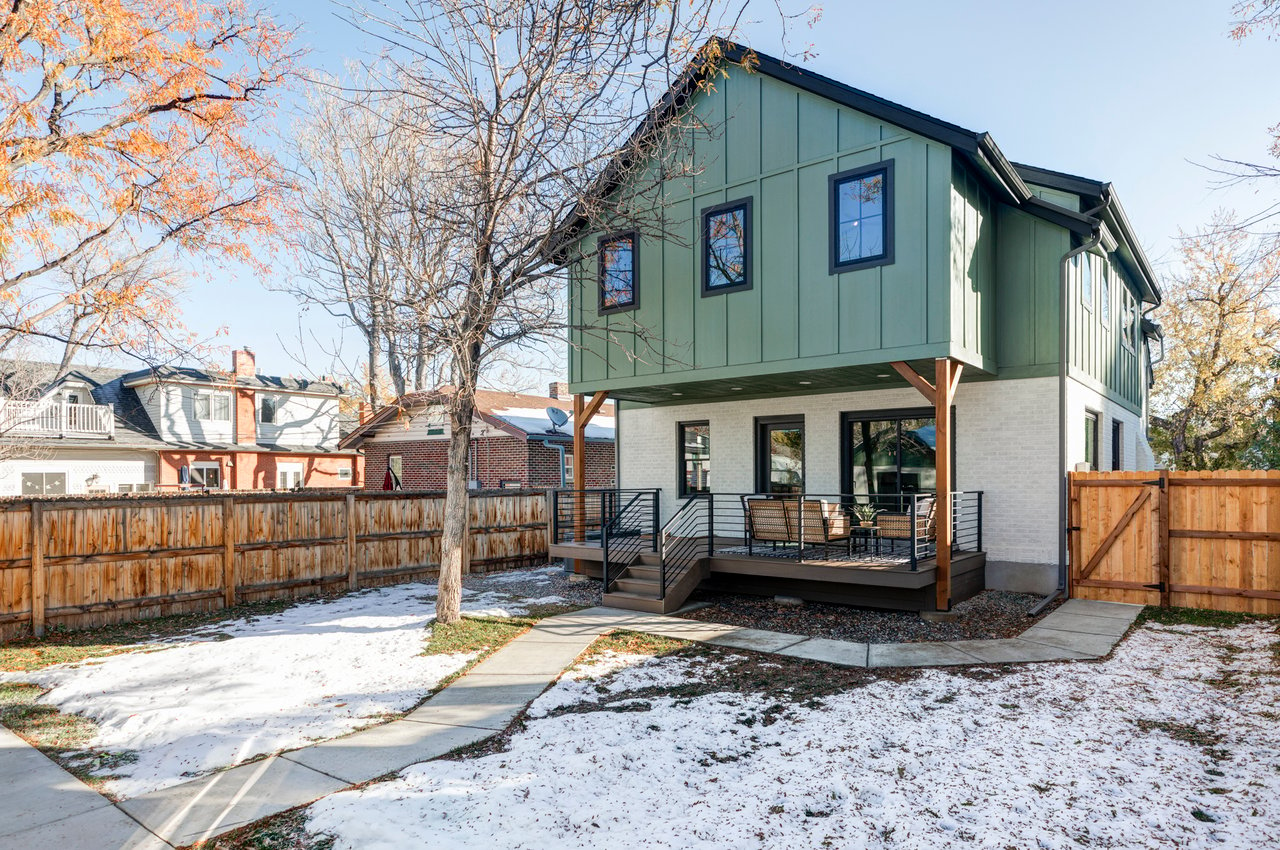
364,411
558,390
243,364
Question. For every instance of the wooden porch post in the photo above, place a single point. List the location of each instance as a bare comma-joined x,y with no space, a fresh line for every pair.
945,380
583,412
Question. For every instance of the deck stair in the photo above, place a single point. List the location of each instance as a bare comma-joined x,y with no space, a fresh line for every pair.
680,563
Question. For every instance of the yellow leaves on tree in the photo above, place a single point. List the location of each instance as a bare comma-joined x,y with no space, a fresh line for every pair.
128,127
1221,317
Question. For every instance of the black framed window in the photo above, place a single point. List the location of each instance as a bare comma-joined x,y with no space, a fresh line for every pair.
1129,333
619,271
887,452
268,409
726,247
695,457
861,202
1117,445
1104,301
1091,439
780,455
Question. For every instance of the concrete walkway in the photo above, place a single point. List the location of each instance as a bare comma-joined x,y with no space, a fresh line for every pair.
1079,629
43,806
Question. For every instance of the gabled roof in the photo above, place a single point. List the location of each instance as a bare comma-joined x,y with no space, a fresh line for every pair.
518,414
978,149
190,375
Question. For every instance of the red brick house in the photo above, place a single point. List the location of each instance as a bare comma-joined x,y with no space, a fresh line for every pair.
514,443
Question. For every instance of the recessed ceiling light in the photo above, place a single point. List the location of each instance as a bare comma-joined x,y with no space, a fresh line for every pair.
884,375
735,388
805,383
677,393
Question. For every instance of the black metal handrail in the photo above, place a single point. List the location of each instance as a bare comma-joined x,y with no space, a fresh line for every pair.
631,529
584,513
685,538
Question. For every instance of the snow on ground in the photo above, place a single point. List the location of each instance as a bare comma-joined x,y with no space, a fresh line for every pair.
232,690
1173,742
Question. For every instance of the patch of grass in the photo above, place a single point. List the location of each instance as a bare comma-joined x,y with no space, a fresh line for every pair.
62,737
475,634
1197,617
633,643
285,831
62,646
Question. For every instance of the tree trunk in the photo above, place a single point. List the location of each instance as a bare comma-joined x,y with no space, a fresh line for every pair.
456,505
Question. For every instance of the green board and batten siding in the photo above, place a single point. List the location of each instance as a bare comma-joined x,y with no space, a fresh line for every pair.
778,147
972,278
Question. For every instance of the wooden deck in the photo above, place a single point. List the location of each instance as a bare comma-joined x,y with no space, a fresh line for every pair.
847,579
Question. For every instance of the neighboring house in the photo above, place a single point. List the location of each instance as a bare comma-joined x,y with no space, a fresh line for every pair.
514,443
833,264
172,428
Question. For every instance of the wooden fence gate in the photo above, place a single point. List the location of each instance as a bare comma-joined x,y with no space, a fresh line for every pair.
1193,539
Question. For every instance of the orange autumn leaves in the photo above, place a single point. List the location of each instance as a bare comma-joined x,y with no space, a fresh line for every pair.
130,127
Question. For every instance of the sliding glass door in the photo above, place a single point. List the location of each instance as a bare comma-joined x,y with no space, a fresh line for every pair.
888,452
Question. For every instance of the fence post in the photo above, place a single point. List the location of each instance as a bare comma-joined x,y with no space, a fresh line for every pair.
229,551
1162,520
353,579
37,569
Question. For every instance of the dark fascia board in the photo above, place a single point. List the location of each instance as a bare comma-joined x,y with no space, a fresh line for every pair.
1119,220
1077,223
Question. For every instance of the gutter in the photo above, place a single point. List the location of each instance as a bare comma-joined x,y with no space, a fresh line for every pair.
1064,353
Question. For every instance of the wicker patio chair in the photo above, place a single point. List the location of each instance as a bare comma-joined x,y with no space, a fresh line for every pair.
896,525
765,521
824,522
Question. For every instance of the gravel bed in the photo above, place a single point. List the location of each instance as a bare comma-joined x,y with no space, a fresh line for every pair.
537,582
990,614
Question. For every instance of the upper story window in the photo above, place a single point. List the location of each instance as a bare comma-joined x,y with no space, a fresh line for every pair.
726,247
212,406
1104,302
268,409
618,272
862,217
1129,334
1086,282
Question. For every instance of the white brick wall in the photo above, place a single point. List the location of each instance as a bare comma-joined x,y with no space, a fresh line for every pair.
1136,450
1006,445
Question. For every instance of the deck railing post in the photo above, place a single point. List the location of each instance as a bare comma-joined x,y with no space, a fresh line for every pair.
711,524
915,538
800,529
653,540
979,496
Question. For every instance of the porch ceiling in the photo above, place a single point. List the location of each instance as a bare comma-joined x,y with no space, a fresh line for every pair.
873,376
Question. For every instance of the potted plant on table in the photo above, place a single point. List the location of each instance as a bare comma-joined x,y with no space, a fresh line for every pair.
866,515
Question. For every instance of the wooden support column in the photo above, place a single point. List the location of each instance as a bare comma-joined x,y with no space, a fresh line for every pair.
36,543
583,411
945,380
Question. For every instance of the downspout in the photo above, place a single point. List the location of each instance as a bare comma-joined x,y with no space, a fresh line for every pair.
1064,353
559,447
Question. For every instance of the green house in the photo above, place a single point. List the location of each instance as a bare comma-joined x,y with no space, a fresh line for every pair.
834,273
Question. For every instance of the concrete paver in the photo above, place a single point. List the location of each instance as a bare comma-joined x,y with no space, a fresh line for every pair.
1014,651
103,828
385,749
34,790
923,654
756,639
1091,645
843,652
203,808
1085,623
1094,608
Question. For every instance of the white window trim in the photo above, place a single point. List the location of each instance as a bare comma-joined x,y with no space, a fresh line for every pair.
211,464
213,396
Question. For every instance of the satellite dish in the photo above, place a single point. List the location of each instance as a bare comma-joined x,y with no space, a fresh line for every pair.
558,417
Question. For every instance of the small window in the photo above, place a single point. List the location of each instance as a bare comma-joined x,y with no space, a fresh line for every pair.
344,473
618,272
1129,333
1104,301
862,218
1091,439
726,248
510,484
211,406
267,409
44,483
206,475
289,476
1117,445
73,398
568,468
695,458
1086,282
395,473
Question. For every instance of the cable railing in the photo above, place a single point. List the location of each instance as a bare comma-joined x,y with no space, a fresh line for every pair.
579,516
632,528
685,538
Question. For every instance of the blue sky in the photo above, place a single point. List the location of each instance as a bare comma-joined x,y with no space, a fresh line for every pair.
1139,93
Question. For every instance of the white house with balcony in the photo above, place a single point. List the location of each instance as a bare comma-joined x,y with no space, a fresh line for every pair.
68,435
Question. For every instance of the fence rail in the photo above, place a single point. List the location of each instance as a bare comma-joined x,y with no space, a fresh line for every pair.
79,562
1187,539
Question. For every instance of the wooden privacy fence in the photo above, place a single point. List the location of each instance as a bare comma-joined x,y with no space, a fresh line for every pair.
89,561
1193,539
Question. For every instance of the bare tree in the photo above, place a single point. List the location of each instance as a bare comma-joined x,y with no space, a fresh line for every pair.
529,109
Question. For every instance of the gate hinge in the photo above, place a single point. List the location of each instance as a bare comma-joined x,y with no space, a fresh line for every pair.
1074,528
1157,586
1159,482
